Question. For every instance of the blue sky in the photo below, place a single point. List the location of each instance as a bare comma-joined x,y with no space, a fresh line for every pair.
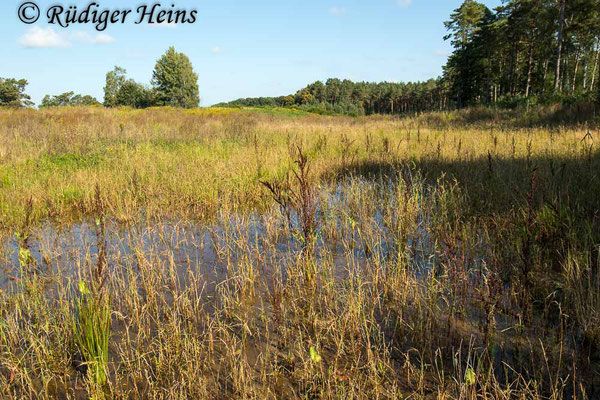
238,48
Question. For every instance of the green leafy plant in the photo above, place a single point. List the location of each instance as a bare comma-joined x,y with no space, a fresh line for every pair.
91,330
470,377
314,355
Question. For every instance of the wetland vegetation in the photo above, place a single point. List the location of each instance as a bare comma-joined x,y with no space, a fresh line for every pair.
221,253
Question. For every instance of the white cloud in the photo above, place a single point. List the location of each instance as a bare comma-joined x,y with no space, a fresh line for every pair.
103,38
404,3
337,10
38,37
215,50
81,36
99,38
440,53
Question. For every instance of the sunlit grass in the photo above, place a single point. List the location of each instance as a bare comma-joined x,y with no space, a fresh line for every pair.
91,331
431,256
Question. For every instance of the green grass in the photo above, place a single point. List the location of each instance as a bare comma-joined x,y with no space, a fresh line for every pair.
91,331
67,162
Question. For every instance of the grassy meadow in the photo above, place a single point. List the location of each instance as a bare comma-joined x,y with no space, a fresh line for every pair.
271,254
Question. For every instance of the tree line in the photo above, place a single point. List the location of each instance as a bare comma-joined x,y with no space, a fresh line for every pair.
174,83
524,52
347,97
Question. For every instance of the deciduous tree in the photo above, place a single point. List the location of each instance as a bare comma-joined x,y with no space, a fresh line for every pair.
175,81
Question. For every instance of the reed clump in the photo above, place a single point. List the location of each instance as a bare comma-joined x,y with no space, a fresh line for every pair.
91,331
92,311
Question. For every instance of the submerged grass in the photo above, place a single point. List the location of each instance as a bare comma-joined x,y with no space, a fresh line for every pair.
242,254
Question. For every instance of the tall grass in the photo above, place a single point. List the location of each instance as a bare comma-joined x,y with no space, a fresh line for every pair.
91,331
92,311
244,254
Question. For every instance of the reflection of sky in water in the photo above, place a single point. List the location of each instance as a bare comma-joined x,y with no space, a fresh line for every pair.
208,250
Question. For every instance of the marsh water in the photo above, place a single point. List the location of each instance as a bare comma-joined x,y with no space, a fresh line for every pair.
359,227
353,231
211,251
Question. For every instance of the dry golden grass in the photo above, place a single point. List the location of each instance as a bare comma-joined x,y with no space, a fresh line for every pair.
441,259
